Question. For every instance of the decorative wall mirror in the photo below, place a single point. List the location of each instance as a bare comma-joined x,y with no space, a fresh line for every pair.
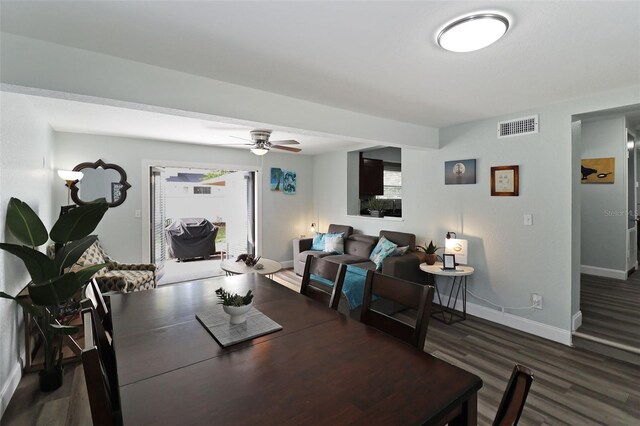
100,180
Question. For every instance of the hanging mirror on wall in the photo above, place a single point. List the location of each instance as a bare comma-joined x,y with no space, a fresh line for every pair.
100,180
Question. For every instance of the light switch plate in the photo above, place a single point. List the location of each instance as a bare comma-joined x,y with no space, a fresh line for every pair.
138,213
528,219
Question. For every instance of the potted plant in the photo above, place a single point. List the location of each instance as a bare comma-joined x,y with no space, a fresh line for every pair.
430,250
51,287
376,207
235,305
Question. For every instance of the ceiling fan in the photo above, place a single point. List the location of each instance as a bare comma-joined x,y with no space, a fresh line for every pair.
261,145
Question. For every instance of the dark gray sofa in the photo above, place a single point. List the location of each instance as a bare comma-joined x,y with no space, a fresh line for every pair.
358,248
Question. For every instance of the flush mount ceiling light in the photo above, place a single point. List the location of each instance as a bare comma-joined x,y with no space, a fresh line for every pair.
259,151
473,32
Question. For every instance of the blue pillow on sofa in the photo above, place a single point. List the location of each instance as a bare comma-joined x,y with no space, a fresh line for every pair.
384,249
318,243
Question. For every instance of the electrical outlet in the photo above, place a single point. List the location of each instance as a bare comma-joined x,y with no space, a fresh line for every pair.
528,219
137,214
536,301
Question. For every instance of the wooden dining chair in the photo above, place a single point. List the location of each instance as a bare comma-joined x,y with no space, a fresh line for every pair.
412,295
319,286
514,397
98,362
95,297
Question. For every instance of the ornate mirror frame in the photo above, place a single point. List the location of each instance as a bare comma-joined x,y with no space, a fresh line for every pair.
124,185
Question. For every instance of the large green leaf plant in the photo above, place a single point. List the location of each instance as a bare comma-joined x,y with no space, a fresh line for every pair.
51,287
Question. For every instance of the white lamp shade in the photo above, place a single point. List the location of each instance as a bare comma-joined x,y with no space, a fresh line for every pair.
259,151
68,175
458,248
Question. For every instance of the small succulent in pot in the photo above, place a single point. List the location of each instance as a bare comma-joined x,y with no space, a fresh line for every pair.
228,299
431,251
376,206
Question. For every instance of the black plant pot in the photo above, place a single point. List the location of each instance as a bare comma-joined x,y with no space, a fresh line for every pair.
50,380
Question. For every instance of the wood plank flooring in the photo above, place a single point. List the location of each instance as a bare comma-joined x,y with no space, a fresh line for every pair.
611,308
571,386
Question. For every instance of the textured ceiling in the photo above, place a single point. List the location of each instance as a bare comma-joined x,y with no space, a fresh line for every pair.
372,57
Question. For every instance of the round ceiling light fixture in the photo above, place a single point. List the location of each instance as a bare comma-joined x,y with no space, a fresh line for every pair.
473,32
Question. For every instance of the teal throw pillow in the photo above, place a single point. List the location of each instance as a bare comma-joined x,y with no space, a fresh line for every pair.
318,242
384,249
400,251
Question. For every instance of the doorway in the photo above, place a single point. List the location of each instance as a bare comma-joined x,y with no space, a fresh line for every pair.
199,217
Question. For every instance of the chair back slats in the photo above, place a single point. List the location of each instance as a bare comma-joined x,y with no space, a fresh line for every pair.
327,270
101,388
411,295
514,397
93,293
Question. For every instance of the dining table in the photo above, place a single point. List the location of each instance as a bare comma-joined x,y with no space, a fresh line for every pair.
321,368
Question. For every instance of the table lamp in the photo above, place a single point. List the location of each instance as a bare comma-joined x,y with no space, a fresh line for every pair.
456,246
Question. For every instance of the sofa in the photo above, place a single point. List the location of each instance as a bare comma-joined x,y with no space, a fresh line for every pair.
358,248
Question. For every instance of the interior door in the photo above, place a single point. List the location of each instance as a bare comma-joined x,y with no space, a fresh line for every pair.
632,224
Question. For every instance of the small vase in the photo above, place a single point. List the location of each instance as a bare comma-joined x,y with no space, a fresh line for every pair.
238,314
50,380
431,258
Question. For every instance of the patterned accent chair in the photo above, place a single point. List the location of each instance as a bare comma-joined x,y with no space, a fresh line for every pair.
120,277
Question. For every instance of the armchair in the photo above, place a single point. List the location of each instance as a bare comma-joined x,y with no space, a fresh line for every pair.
122,277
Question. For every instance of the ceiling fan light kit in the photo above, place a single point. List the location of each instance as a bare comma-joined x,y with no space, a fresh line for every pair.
260,143
473,32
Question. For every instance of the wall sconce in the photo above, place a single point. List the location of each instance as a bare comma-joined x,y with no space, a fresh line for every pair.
70,177
313,227
456,246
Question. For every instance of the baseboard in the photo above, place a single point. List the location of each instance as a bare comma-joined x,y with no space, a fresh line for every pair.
519,323
603,272
10,386
576,321
287,264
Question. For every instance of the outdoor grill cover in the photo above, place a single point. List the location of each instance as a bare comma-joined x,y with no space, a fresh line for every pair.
191,237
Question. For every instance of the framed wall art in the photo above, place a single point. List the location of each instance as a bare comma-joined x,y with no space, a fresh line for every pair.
460,172
598,170
505,181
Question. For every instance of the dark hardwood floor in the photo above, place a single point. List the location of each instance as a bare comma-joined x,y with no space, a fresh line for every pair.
611,309
571,386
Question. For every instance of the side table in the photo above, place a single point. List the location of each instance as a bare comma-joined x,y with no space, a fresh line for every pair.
269,267
459,285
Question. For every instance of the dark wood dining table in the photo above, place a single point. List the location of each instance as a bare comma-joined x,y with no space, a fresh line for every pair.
321,368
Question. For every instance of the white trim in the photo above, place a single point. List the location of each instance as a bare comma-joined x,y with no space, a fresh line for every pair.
287,264
603,272
576,321
608,342
15,374
516,322
389,218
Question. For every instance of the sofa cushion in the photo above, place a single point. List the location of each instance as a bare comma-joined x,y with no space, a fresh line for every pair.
369,266
360,245
400,238
383,249
347,259
302,257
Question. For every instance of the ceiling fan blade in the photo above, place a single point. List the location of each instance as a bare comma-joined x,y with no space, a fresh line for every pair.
286,148
285,142
238,137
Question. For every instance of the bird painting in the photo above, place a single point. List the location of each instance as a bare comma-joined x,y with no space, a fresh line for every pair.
598,170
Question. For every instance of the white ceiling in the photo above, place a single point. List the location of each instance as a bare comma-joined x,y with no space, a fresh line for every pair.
78,117
372,57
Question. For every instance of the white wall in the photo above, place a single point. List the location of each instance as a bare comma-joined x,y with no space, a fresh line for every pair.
604,210
25,173
511,260
284,217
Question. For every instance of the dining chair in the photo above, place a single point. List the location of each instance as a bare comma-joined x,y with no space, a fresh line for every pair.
322,281
96,300
514,397
98,362
412,295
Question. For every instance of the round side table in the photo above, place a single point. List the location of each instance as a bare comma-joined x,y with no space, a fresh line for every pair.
459,285
270,267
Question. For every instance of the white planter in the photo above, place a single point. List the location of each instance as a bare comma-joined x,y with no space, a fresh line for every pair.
238,313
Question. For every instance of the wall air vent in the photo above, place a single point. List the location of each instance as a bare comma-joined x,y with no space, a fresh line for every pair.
518,127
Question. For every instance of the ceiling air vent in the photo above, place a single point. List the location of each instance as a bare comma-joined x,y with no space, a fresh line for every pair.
520,126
